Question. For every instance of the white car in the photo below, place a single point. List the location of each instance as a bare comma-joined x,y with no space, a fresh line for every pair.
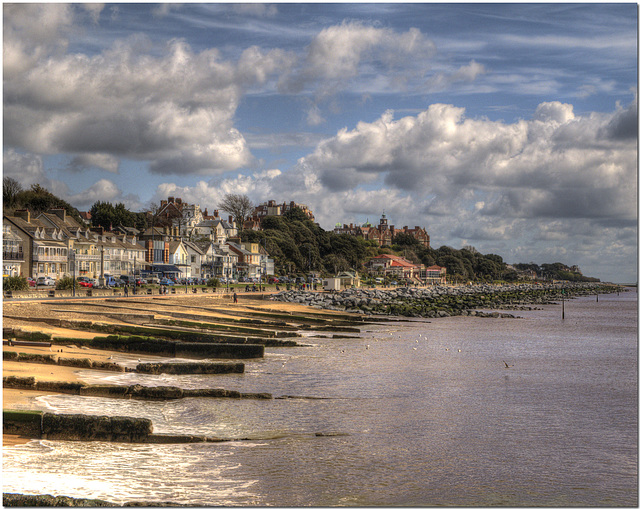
45,281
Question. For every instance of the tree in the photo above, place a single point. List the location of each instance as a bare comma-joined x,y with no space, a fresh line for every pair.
295,214
11,188
239,206
106,215
404,239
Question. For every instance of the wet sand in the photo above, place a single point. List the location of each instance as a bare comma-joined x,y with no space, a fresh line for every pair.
25,400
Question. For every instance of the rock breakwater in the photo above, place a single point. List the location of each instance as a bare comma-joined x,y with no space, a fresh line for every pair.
443,301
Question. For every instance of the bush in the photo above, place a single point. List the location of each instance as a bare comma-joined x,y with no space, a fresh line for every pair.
214,282
15,283
66,283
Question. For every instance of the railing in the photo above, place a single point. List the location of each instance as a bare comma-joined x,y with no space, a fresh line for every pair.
12,256
49,258
87,257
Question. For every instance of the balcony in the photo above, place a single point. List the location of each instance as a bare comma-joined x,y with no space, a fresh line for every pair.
81,257
49,258
11,255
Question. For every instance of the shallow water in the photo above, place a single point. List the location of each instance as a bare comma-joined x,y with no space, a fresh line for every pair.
427,414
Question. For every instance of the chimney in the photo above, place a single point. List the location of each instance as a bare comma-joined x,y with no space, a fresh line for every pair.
23,214
179,201
171,199
215,213
98,229
230,219
205,212
163,203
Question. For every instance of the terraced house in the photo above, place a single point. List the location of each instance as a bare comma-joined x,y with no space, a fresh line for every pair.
55,245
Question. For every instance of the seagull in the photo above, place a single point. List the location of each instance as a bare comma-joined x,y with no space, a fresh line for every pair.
446,349
416,340
459,350
367,347
507,365
414,348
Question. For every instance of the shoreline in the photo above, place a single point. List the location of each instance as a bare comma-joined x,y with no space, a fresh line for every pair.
18,399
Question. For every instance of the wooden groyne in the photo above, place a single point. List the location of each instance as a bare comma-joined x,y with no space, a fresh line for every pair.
124,391
81,427
75,362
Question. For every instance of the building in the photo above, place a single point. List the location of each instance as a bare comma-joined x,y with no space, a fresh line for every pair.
13,255
383,233
272,208
435,275
215,229
44,248
181,215
55,245
395,266
249,258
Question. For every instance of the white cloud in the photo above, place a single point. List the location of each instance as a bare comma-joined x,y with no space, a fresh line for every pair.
27,169
103,190
341,53
556,164
258,186
467,73
176,109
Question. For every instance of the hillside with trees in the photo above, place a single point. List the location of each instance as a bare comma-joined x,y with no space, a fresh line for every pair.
37,199
299,246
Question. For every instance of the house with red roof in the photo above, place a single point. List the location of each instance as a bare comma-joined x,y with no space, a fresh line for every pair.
392,265
435,275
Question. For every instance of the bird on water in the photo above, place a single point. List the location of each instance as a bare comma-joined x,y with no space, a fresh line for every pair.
507,365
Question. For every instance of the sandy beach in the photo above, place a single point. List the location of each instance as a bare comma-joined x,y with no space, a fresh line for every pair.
25,400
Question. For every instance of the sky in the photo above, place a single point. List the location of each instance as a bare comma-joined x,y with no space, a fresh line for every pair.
512,128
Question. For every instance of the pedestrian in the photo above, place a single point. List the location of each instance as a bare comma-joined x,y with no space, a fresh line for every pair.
235,298
126,290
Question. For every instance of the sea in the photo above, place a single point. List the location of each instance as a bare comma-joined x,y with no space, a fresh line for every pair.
407,413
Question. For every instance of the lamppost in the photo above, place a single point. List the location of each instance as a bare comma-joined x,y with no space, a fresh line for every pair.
264,243
72,260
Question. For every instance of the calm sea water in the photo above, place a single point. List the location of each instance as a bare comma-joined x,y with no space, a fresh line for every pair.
426,414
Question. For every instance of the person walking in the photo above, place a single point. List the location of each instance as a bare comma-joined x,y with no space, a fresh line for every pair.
126,290
235,298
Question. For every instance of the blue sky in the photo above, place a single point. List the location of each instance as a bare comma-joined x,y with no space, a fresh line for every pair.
509,127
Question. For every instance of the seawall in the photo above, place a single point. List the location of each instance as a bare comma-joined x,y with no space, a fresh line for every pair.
442,301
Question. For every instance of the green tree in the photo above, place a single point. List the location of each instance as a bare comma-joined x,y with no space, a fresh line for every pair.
109,216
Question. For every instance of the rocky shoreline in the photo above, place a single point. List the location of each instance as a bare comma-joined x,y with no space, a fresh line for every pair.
444,301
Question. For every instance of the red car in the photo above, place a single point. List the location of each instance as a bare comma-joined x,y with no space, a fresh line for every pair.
32,282
86,284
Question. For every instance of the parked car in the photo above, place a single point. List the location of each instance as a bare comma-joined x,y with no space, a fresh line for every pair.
45,281
167,281
140,281
86,283
31,281
112,281
274,279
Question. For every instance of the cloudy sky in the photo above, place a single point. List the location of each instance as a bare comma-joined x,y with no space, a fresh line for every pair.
509,127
